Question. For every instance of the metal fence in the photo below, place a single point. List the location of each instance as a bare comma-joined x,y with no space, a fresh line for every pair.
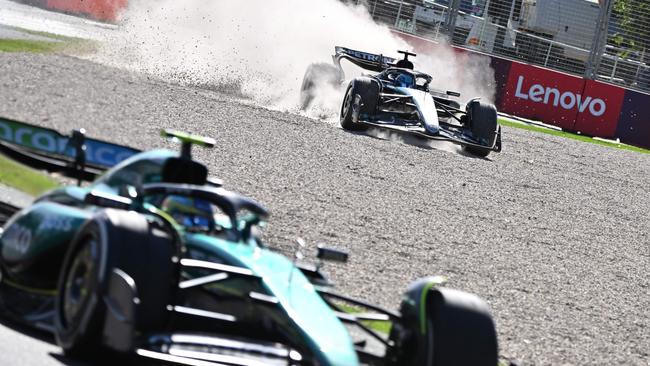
607,40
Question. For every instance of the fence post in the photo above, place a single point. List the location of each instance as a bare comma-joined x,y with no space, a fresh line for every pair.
450,21
600,40
399,13
485,19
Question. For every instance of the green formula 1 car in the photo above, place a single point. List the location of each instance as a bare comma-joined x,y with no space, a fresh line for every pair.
156,260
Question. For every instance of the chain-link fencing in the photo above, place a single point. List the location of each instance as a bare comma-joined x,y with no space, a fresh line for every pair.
607,40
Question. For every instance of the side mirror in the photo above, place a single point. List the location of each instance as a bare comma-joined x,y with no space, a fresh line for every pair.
332,255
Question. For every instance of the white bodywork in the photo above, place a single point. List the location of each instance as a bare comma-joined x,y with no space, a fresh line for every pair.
427,107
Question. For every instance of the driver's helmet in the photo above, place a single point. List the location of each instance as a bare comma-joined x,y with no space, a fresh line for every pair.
189,212
404,80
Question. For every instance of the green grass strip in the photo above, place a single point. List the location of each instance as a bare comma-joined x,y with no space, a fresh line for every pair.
22,45
549,131
377,325
52,43
23,178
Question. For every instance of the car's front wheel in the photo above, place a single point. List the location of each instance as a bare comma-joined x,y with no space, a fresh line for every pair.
483,126
114,241
442,327
79,308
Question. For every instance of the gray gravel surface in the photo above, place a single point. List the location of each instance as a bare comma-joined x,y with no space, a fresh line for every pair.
14,197
16,33
553,233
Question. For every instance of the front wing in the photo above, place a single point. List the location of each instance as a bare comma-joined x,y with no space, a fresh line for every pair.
447,132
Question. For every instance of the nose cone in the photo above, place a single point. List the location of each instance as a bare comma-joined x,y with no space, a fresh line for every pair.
427,107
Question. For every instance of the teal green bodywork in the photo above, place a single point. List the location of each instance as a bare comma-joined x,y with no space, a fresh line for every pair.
302,311
322,331
37,231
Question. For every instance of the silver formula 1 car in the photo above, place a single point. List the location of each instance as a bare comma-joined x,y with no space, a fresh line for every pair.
398,98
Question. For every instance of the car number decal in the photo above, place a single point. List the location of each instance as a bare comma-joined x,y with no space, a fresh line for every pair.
17,238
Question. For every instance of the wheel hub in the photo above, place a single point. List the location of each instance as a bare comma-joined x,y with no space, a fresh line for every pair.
78,281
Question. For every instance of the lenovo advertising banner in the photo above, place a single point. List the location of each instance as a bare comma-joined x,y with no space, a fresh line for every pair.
602,114
562,100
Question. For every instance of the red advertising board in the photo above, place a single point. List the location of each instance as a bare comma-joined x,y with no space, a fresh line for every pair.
543,95
106,10
602,113
567,101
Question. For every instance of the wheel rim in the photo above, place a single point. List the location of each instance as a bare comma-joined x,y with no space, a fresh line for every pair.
347,103
78,281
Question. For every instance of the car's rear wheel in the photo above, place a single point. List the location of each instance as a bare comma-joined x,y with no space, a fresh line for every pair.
316,76
483,126
361,98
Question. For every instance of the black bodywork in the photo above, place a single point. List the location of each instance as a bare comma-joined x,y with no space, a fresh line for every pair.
396,97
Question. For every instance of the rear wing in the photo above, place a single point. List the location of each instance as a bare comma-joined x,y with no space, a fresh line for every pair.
365,60
74,155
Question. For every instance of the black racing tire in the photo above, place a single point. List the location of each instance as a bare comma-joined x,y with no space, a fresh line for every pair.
78,331
483,125
463,332
112,239
367,90
315,75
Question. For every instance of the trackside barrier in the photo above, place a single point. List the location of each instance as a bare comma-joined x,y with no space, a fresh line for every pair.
563,100
105,10
570,102
600,115
634,123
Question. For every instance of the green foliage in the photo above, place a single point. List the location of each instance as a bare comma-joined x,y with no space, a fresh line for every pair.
633,20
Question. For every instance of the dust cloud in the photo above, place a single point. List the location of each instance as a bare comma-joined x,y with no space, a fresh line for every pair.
260,49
